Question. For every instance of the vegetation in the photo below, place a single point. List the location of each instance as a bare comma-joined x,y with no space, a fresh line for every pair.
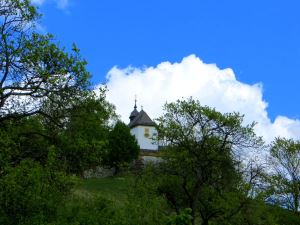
84,141
33,68
53,127
123,147
200,170
30,193
115,189
284,181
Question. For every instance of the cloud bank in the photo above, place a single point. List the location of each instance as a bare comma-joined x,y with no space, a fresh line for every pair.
211,85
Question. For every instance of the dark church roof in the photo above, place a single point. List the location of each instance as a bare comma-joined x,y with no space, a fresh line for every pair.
141,119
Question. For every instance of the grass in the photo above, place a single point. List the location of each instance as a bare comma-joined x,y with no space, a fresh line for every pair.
111,188
150,153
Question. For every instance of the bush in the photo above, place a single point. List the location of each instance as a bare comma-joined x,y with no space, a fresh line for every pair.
30,194
92,210
123,147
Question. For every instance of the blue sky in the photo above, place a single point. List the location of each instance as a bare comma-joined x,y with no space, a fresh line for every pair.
259,39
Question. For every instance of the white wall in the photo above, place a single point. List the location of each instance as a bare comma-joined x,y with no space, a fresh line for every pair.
145,142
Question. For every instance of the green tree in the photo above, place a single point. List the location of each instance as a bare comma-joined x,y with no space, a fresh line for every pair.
34,69
284,180
44,94
40,84
200,167
30,140
85,140
123,147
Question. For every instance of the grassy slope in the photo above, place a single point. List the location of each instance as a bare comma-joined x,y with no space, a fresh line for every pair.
116,190
111,188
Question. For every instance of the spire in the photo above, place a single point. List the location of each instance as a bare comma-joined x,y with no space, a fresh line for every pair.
135,102
134,113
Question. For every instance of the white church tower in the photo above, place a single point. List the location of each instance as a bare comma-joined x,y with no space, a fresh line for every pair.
143,128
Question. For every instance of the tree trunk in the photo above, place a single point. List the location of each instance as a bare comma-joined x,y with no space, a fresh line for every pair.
193,218
204,222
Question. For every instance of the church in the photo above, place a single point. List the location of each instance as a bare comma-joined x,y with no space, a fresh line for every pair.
143,128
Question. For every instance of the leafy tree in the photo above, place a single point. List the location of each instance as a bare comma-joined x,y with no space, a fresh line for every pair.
284,181
123,147
30,140
80,143
85,140
33,69
200,167
44,94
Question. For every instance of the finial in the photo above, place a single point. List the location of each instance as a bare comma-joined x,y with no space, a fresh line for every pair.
141,107
135,101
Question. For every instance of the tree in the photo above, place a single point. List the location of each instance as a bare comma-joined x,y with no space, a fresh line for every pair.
34,69
30,140
200,170
123,147
284,180
84,141
49,121
44,90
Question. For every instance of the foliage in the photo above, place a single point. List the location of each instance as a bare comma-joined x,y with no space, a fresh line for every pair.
89,211
7,146
114,200
200,167
49,119
284,180
144,205
51,123
79,145
183,218
30,194
85,139
33,69
123,147
281,215
29,139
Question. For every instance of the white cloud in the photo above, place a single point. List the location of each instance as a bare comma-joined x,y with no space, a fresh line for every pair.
61,4
213,86
38,2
